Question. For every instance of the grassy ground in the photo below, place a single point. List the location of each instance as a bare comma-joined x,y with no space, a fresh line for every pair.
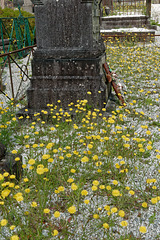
90,177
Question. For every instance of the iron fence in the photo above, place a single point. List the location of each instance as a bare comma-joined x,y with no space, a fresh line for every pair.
15,90
126,7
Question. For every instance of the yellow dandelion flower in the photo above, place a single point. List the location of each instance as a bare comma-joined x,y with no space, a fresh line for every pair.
85,159
126,145
86,201
124,223
45,156
5,193
107,208
14,151
144,204
3,222
34,204
116,193
154,200
57,214
72,209
46,210
14,237
84,192
131,192
12,227
70,180
115,182
95,157
74,187
31,161
55,232
94,188
40,170
106,225
61,189
143,229
121,213
95,182
95,216
108,187
27,190
90,146
114,210
117,165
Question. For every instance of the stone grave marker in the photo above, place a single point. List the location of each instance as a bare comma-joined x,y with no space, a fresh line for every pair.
69,56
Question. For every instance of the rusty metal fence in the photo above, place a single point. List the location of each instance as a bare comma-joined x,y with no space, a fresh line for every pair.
15,85
126,7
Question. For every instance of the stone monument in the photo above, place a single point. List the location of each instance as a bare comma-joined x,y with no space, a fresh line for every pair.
28,6
69,56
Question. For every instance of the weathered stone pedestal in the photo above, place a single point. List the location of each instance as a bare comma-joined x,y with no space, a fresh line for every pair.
69,56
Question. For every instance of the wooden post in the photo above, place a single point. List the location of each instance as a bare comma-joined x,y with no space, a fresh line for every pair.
148,8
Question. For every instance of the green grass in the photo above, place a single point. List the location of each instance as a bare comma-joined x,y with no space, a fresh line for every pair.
115,159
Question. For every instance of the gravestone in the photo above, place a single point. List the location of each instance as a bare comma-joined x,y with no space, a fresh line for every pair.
28,6
69,56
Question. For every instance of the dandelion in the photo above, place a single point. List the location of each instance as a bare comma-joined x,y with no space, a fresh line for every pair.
49,145
115,182
74,187
85,159
33,204
55,232
5,193
40,170
106,225
143,229
57,214
107,208
84,192
114,210
27,190
117,165
121,213
14,237
25,179
144,205
108,187
95,157
12,227
124,223
31,161
45,156
126,145
72,209
94,188
70,180
14,151
46,210
61,189
131,192
86,201
4,222
95,216
115,193
154,200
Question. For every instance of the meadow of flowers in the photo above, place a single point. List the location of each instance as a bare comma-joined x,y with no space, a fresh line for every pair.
92,176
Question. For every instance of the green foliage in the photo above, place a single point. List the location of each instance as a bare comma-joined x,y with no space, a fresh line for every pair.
8,23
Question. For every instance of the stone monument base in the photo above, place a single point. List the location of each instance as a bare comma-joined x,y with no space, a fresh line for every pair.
67,80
